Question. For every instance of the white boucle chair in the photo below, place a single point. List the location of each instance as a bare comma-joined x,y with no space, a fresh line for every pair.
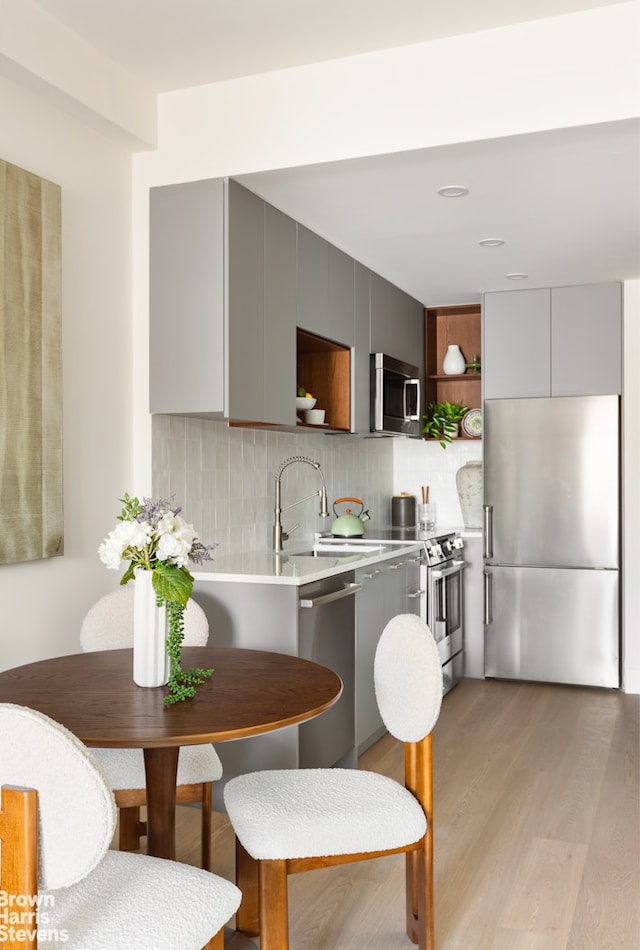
288,821
108,625
57,819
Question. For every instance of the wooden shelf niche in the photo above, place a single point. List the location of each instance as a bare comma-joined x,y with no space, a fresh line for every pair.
444,326
324,368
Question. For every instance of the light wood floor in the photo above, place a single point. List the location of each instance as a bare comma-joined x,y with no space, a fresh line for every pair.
537,841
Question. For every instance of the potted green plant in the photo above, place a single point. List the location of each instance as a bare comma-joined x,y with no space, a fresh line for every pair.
442,420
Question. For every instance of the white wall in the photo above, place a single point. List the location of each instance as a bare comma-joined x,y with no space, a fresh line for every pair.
43,601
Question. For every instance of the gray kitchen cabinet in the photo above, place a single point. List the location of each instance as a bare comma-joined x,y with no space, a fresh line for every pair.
361,372
222,281
560,341
586,340
415,333
388,326
279,316
388,588
187,313
313,281
340,317
370,622
325,279
396,323
516,347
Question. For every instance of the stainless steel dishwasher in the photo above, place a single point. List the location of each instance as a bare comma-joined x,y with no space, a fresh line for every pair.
326,635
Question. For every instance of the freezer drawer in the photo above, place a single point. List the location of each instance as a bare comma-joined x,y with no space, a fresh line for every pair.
552,625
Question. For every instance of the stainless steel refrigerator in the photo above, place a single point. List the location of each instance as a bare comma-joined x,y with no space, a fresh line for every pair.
552,539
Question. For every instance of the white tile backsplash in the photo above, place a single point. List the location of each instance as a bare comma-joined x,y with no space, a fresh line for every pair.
224,478
418,463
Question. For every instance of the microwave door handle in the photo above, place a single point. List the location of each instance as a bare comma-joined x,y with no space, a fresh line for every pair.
410,415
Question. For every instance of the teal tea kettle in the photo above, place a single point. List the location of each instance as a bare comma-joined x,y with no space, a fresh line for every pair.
349,525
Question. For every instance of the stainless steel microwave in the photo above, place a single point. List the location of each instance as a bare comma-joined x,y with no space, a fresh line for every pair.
395,397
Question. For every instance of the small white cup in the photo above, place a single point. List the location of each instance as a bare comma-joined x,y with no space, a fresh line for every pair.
427,514
314,417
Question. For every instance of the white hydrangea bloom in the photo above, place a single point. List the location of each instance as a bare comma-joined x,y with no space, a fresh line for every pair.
171,547
127,534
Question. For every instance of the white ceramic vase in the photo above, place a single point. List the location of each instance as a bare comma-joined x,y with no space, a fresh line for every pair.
469,482
453,363
150,660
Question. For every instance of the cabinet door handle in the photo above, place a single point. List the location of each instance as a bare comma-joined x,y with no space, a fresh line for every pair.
396,567
415,594
372,575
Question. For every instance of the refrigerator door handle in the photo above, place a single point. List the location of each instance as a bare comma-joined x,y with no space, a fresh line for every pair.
488,598
488,530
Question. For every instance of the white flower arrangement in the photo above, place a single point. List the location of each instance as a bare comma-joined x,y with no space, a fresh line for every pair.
152,536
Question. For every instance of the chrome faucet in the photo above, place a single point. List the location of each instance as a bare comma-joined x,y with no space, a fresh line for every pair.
278,534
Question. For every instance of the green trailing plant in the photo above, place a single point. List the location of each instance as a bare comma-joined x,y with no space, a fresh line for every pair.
153,537
442,420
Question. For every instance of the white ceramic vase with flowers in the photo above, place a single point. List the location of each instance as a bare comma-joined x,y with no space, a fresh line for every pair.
158,544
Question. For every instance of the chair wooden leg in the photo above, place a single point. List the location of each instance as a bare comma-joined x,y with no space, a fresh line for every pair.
412,896
419,878
19,851
274,906
216,942
207,794
248,913
131,828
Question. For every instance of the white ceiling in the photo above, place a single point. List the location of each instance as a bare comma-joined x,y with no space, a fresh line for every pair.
566,202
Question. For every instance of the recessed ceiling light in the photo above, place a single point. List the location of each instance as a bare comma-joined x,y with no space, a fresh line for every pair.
453,191
491,242
516,276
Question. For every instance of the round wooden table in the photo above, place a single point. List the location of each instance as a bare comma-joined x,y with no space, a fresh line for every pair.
94,696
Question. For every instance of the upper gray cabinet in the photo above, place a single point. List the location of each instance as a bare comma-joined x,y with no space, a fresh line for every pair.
516,347
222,285
563,341
325,278
261,309
186,299
586,340
361,376
397,323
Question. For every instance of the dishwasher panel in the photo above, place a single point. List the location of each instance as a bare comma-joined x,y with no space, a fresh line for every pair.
326,635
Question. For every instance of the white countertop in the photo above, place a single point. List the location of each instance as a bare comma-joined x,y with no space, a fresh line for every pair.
266,567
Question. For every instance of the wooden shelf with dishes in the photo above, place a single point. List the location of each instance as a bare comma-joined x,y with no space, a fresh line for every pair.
324,369
444,326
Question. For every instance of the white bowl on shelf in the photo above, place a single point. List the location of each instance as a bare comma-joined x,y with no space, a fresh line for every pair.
305,402
314,417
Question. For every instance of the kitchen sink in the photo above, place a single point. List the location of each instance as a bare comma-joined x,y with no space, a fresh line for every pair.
340,549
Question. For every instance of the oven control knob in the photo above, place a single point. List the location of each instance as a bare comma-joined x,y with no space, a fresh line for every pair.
458,543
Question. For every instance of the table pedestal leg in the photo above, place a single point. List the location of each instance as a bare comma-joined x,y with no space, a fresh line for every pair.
161,769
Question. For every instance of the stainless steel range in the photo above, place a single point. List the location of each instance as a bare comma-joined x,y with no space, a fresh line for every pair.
442,606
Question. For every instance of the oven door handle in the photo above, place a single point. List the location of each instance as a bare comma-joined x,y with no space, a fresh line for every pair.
438,573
